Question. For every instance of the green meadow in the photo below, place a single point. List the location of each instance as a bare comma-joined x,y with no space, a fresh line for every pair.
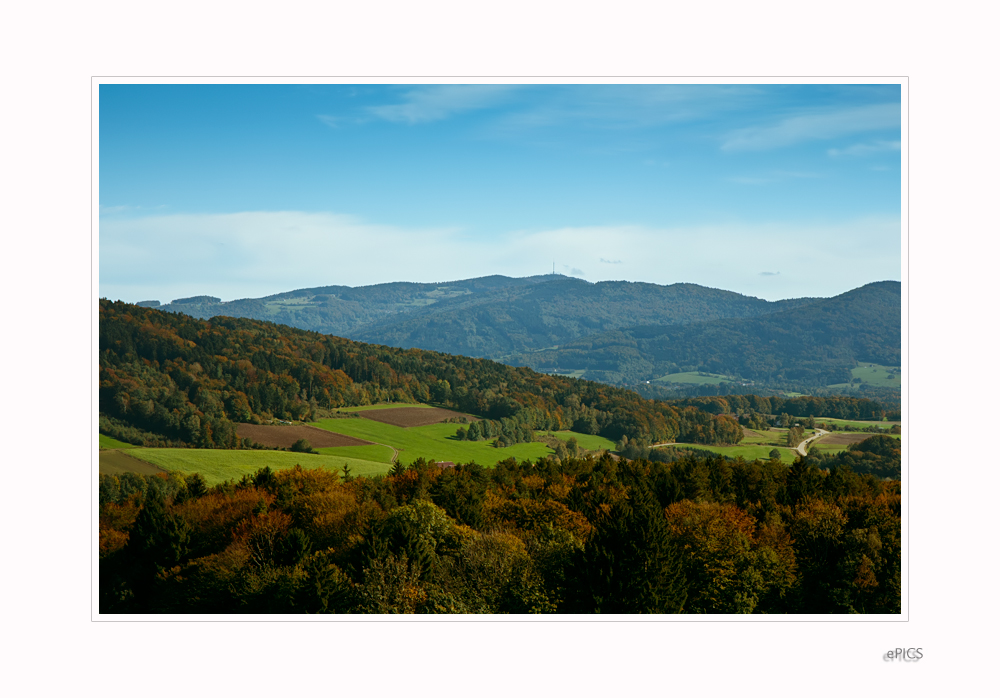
694,378
875,375
882,376
590,442
775,436
377,452
218,465
855,424
438,442
107,442
753,447
749,452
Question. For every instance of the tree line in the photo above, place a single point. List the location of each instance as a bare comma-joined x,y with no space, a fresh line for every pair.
580,535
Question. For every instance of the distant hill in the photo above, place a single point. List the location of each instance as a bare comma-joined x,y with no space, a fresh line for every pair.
812,344
343,310
507,322
616,332
491,317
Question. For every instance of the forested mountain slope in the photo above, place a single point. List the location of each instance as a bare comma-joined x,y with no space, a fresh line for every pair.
491,317
170,378
341,310
813,344
545,315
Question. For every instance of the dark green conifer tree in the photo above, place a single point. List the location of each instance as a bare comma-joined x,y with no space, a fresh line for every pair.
629,564
158,541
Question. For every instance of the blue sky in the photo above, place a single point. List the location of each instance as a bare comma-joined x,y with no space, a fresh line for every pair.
241,191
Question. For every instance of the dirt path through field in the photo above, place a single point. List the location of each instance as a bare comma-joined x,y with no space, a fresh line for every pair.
395,453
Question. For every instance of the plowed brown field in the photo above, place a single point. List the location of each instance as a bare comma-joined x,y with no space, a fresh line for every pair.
842,439
411,416
285,436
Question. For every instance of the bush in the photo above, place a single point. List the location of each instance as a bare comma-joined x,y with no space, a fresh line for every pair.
302,446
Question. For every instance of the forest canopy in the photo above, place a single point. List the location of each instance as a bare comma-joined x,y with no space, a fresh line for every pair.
699,535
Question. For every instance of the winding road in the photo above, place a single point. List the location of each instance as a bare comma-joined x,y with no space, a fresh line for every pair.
801,449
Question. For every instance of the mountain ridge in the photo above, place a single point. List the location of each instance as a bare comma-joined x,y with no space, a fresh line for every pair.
487,317
816,343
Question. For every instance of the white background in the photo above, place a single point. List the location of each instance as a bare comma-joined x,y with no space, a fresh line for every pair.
54,647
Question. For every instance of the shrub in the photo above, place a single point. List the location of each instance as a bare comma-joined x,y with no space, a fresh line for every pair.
302,446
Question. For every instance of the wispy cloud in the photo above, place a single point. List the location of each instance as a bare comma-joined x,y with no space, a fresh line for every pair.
437,102
125,208
754,181
610,261
864,149
111,210
334,121
255,254
771,177
769,273
795,174
624,107
814,126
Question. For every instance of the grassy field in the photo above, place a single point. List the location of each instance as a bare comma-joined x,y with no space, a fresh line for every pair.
438,442
882,376
774,437
377,453
758,446
749,452
217,465
694,378
434,441
874,374
590,442
855,424
107,442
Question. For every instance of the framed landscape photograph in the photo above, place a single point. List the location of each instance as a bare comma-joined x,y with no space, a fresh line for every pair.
572,348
